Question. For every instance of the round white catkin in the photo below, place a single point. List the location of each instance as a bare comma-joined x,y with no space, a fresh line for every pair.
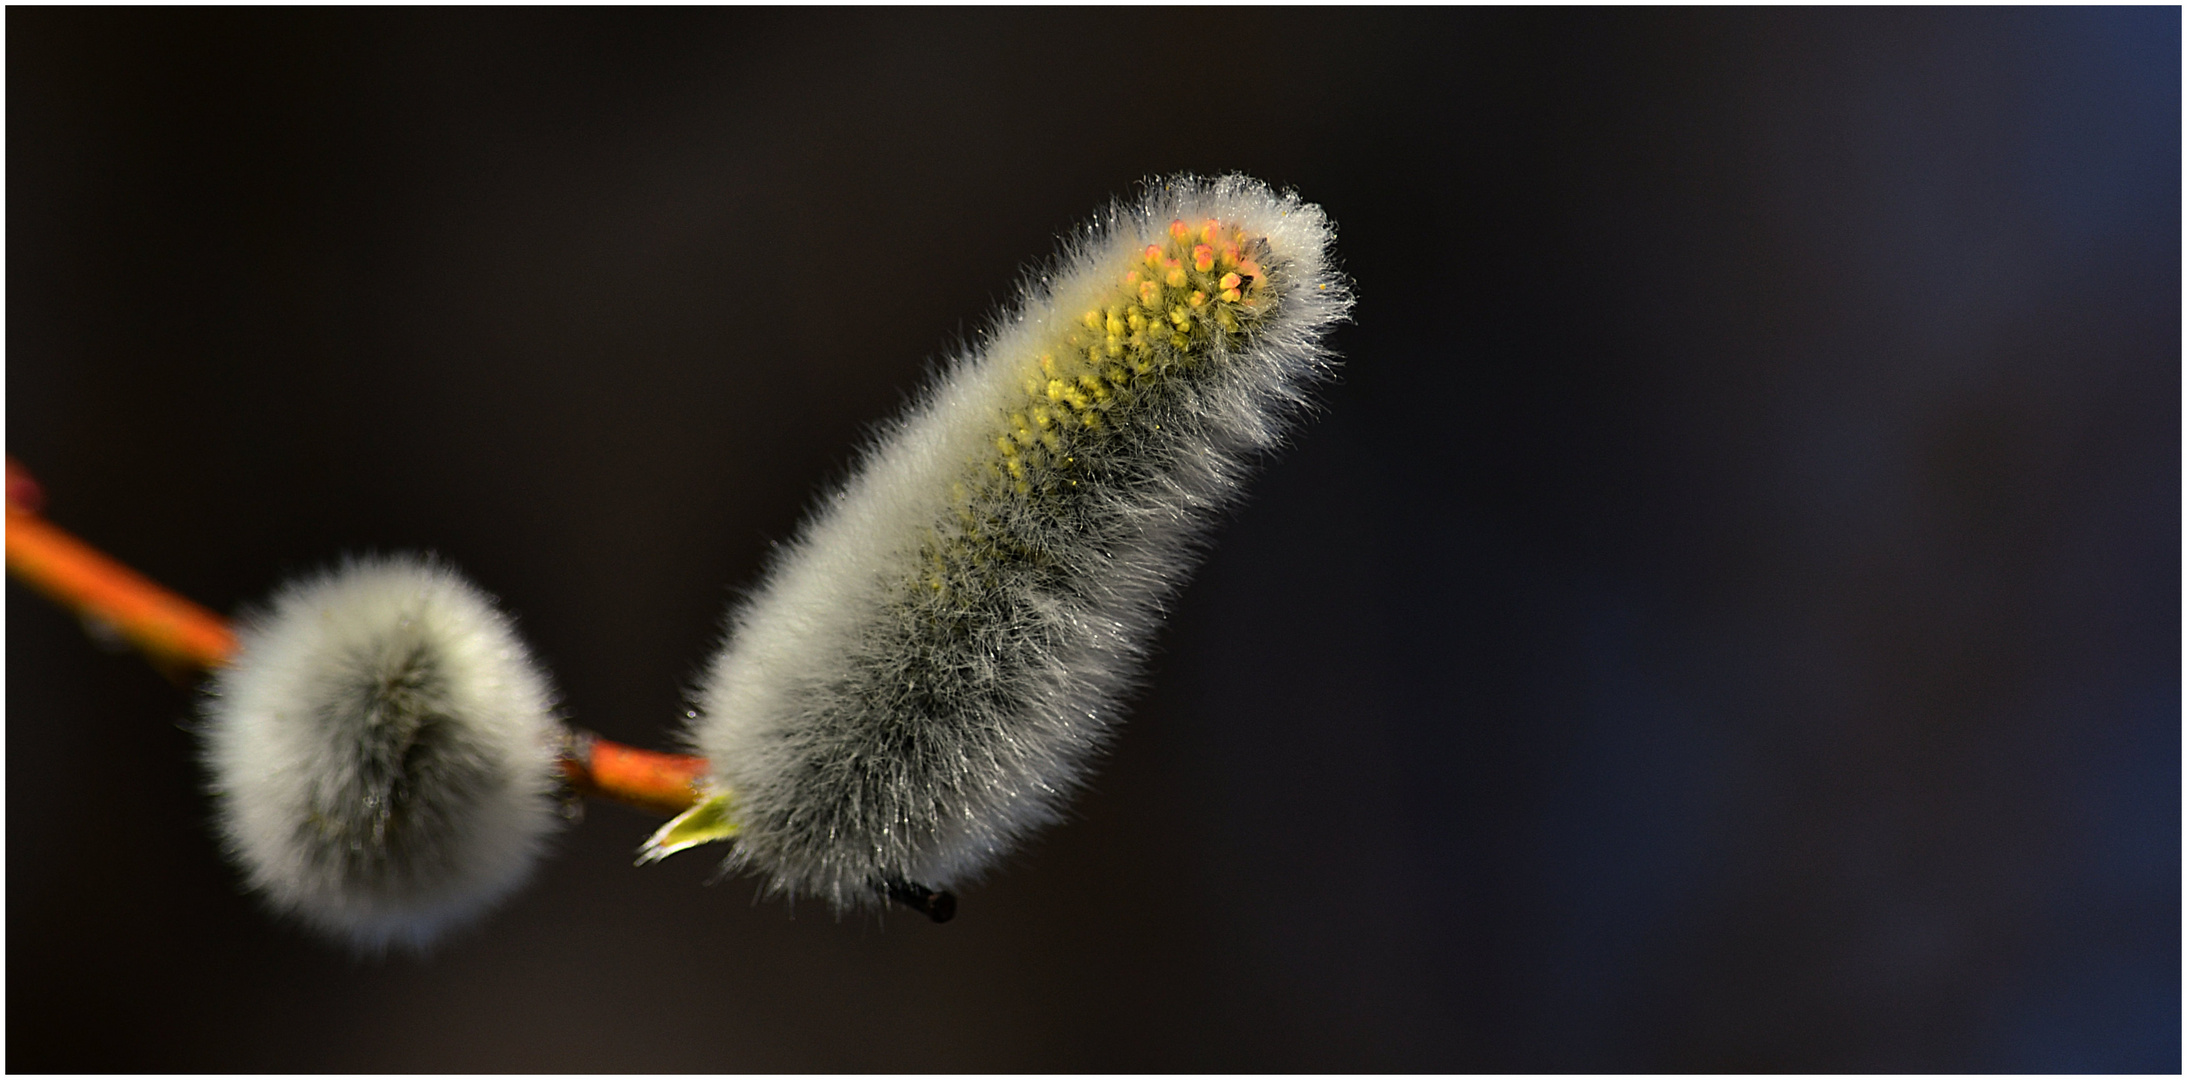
382,753
925,671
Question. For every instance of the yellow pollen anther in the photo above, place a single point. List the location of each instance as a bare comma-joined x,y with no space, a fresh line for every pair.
1164,313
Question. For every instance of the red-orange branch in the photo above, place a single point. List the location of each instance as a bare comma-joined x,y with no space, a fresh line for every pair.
75,575
172,630
666,784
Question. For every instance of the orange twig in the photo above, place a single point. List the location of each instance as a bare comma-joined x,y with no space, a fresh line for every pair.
77,576
172,630
666,784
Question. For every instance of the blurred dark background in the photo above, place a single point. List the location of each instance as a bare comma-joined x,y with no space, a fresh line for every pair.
1727,617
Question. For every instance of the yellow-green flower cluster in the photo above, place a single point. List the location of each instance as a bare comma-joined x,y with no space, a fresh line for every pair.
1179,302
1165,313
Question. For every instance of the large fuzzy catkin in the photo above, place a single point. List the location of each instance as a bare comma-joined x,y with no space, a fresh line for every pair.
925,672
382,752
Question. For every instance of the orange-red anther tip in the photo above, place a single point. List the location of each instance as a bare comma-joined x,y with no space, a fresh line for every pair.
1203,258
1179,230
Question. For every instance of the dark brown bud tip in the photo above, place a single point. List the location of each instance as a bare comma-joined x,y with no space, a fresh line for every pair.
935,905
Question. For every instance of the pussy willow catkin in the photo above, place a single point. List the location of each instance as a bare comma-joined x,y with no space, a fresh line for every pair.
382,752
924,674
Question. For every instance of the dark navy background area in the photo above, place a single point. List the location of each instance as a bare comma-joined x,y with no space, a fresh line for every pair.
1726,618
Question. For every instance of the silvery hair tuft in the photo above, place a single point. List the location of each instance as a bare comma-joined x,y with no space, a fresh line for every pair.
382,752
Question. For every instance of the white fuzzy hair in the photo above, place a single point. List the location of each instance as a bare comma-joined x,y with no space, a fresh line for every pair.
924,674
382,753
